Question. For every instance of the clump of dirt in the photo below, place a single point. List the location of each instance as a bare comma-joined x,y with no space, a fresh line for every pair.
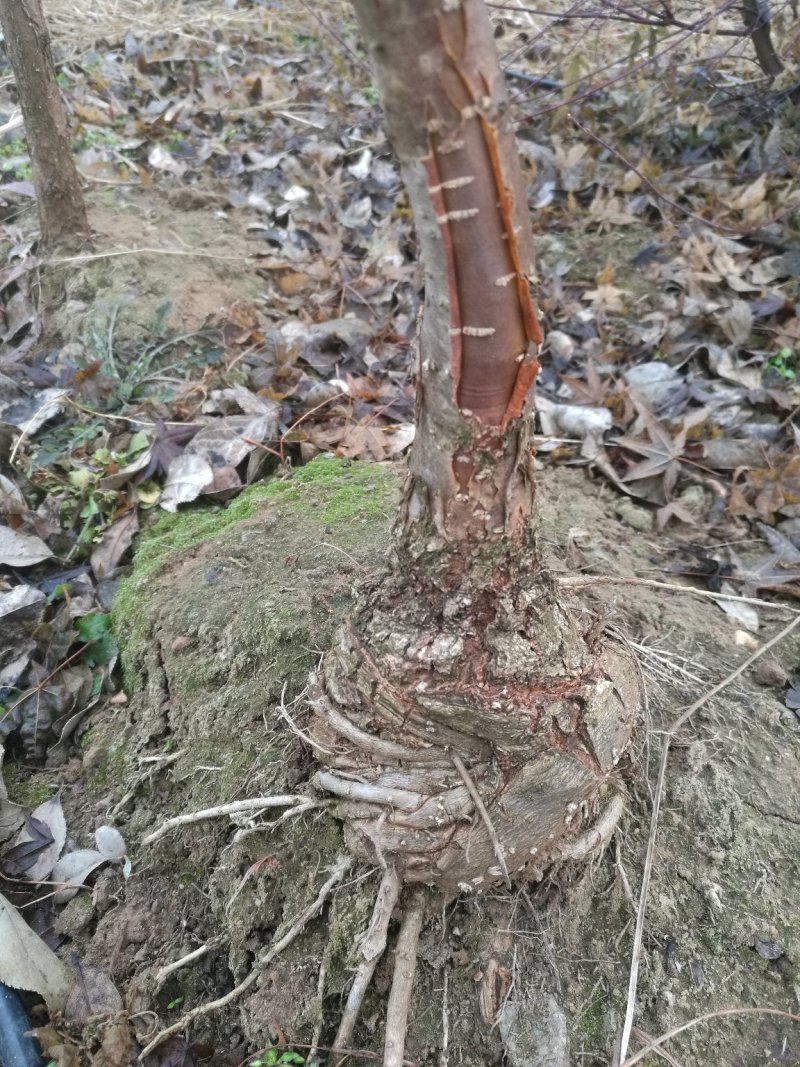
223,618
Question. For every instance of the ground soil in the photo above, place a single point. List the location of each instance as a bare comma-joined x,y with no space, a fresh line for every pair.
223,618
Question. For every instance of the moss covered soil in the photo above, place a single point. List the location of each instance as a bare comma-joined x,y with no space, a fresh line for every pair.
223,617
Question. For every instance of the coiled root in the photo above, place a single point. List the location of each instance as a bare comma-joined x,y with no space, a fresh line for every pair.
469,739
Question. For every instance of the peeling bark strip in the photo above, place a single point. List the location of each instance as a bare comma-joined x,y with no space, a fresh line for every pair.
444,96
483,226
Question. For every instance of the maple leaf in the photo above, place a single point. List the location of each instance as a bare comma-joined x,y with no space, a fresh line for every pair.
663,452
765,573
168,443
593,390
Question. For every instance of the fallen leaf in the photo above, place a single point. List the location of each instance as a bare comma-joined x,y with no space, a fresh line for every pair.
39,843
27,963
745,614
187,478
92,993
19,549
72,870
113,544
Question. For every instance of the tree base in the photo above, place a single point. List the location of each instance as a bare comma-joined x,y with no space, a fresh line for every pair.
470,735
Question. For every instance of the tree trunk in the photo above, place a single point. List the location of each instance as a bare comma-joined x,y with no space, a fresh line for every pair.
757,21
465,721
62,213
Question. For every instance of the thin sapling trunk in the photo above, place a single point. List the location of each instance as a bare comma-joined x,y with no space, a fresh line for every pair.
62,213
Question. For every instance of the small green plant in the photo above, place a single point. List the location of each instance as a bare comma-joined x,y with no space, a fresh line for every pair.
95,630
275,1057
784,363
175,1003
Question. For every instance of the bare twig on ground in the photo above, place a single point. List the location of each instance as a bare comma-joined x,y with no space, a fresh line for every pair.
578,581
405,965
341,867
682,719
236,807
371,949
654,1044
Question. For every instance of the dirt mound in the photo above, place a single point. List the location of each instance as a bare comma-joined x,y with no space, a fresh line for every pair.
224,616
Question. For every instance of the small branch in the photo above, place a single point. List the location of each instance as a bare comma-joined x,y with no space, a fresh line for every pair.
341,867
235,807
578,581
484,814
371,949
405,965
682,719
654,1044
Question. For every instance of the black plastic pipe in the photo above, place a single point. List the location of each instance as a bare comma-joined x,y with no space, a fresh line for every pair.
17,1049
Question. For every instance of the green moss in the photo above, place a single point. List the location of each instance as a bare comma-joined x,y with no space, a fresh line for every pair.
110,769
341,489
26,787
592,1021
337,492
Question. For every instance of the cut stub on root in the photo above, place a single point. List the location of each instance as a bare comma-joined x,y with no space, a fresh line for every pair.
471,737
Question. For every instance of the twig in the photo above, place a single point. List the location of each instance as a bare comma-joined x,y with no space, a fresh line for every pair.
341,867
236,806
190,253
580,580
371,949
654,1044
484,814
645,1038
163,974
405,965
651,844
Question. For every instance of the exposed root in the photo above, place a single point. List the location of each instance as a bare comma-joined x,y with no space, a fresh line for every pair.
405,966
236,807
596,838
372,948
191,957
341,867
484,814
580,581
468,733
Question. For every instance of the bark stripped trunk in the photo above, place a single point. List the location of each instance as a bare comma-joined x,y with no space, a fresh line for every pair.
62,213
465,724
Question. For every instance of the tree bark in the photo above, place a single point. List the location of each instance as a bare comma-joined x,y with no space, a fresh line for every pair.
445,104
757,21
470,725
62,213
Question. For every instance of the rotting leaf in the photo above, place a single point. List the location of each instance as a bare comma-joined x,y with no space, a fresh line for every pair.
40,842
93,993
113,545
27,963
